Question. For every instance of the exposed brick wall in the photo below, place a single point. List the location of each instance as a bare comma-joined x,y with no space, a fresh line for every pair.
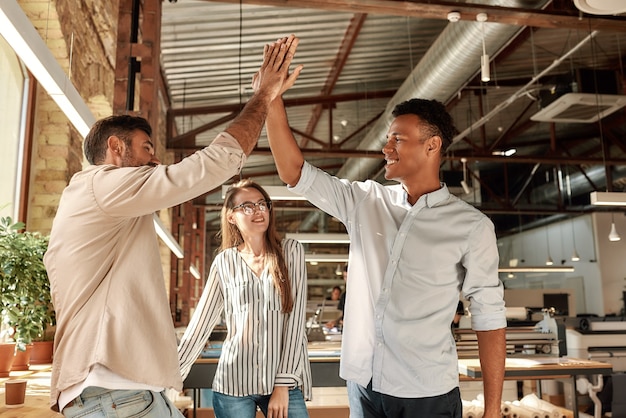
51,129
86,30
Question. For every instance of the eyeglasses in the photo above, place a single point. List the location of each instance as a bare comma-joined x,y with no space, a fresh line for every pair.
248,208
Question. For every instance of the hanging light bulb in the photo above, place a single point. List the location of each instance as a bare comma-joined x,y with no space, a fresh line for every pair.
338,270
484,59
485,75
466,188
613,235
549,261
575,256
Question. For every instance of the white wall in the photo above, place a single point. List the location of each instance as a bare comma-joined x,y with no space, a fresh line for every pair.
611,259
532,247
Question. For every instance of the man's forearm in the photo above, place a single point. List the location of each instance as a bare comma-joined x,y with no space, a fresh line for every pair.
492,354
246,128
286,152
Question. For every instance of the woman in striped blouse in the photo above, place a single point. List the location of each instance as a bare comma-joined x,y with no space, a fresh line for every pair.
259,282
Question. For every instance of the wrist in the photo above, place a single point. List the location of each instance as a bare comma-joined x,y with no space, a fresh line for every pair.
264,95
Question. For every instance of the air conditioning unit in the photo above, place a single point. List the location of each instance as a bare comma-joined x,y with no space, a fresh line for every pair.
599,7
580,108
584,97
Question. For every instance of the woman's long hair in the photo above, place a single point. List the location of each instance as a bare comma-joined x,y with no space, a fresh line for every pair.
274,257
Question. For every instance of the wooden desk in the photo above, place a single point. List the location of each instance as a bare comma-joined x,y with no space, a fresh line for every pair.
540,368
37,402
544,368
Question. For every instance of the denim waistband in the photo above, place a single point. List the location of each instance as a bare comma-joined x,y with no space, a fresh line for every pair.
94,391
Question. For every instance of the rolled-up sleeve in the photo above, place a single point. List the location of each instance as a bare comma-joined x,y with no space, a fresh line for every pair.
482,286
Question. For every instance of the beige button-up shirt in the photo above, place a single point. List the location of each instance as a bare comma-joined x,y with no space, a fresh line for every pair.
105,269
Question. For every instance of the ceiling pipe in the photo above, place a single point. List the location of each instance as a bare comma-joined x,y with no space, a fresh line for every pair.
451,61
521,92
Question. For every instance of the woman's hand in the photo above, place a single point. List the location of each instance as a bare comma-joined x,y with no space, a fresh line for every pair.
279,403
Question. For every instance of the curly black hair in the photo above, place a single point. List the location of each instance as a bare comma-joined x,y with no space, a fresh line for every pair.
435,115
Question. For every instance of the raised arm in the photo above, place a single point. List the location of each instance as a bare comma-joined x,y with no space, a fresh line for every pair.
287,154
269,80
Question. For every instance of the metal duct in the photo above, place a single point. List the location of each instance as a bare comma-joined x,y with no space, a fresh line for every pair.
452,60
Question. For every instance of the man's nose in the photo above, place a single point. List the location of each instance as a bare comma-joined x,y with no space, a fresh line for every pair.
386,149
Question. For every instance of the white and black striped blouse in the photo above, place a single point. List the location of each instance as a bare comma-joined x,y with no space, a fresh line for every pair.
264,347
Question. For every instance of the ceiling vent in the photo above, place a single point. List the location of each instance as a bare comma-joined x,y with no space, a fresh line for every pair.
601,7
580,108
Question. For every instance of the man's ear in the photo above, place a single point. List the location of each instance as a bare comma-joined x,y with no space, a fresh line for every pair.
114,151
115,144
434,144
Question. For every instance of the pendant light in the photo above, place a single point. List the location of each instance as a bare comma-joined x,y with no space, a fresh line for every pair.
464,184
549,261
484,59
613,235
575,256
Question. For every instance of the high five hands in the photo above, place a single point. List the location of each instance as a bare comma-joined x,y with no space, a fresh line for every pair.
274,76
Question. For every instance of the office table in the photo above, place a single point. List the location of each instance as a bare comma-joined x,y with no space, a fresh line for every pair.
544,368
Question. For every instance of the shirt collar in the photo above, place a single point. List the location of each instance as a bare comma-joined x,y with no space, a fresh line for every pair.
432,199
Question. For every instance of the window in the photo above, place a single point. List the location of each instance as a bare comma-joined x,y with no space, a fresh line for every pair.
12,85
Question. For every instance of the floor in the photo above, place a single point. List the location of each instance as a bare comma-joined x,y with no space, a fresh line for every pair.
37,402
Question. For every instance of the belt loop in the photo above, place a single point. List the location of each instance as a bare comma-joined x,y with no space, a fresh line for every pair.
79,400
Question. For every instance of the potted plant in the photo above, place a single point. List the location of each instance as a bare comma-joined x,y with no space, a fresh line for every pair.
25,302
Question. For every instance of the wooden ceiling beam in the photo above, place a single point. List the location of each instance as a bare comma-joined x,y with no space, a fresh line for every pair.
347,43
432,9
515,159
289,102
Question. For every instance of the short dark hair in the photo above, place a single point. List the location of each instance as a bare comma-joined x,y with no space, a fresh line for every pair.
122,126
432,112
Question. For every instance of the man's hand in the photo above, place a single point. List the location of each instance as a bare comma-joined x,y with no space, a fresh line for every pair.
268,83
279,403
273,78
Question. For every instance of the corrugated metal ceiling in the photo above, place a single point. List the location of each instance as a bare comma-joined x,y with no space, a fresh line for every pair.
210,51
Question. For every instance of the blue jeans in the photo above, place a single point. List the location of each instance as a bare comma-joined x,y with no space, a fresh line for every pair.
365,403
97,402
226,406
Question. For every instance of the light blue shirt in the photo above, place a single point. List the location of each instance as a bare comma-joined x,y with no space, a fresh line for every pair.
407,265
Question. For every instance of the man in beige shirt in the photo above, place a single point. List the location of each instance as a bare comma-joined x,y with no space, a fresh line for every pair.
115,346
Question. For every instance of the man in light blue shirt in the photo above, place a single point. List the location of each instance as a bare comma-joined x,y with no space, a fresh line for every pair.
413,248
